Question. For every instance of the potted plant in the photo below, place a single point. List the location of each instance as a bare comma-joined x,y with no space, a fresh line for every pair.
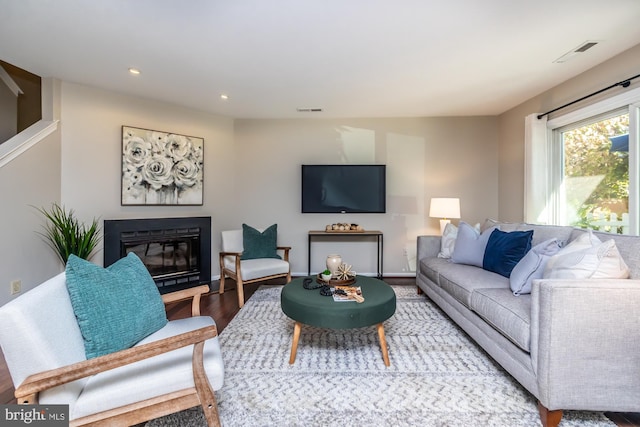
66,235
326,275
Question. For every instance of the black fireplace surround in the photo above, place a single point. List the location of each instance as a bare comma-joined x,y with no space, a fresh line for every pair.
176,251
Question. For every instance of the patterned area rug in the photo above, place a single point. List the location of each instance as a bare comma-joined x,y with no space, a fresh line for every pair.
437,377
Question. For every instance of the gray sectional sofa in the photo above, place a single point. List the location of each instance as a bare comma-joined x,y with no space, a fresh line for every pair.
572,343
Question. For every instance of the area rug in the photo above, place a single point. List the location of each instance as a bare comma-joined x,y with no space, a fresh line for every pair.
437,377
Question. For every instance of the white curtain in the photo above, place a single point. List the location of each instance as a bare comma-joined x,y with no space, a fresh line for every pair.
536,172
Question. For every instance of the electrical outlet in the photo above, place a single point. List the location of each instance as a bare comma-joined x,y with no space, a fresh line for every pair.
16,287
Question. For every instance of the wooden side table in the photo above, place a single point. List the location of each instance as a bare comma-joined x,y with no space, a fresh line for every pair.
352,235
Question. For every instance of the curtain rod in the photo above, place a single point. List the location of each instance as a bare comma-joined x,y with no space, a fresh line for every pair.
623,83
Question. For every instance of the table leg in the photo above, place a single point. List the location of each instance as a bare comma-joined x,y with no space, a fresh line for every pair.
294,344
309,254
383,344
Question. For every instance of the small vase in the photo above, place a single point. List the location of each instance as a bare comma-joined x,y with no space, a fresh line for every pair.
333,262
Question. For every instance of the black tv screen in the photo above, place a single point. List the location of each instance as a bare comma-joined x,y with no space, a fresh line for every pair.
343,189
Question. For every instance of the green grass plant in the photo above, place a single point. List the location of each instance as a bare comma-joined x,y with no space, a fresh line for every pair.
66,235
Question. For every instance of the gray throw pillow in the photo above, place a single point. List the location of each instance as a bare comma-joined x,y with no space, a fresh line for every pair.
532,265
470,245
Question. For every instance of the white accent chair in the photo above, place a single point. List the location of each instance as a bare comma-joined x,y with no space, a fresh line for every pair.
249,270
173,369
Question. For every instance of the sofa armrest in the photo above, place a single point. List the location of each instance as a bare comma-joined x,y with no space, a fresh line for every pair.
27,392
428,246
584,343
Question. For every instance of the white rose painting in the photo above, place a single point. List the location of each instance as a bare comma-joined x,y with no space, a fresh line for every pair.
160,168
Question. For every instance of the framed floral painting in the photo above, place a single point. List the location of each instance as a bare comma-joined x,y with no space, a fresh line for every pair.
160,168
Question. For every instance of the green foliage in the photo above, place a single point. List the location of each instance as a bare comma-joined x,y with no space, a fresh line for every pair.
587,154
66,235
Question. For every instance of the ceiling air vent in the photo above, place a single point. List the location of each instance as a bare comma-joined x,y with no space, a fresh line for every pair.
580,49
308,110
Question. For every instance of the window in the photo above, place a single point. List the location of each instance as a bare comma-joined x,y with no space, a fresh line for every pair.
582,168
594,188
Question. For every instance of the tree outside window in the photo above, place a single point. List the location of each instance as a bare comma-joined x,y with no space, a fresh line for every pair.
596,178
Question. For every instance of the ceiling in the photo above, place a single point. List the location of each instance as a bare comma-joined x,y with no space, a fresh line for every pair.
351,58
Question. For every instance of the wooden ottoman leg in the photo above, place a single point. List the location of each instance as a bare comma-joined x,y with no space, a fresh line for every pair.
294,344
383,344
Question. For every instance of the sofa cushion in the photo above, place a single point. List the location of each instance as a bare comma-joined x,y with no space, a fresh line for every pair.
532,266
505,250
148,378
448,241
42,319
431,268
461,280
504,226
587,257
508,314
542,233
262,267
470,245
115,306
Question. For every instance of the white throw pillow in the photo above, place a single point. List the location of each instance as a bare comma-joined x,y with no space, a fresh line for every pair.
448,241
532,266
587,258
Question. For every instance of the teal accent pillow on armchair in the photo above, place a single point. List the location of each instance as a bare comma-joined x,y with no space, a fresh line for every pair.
115,306
258,244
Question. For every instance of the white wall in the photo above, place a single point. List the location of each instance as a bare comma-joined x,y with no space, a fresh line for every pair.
92,121
425,157
31,180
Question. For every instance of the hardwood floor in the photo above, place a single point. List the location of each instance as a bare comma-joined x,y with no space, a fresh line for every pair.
224,307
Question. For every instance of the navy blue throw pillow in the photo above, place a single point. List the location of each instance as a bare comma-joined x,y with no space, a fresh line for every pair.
504,250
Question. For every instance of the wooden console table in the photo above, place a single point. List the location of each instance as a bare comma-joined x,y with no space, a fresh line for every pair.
353,235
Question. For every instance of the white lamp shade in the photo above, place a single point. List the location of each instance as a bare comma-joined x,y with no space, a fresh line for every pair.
445,207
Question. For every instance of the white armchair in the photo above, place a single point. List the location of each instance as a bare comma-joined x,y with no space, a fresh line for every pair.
173,369
245,271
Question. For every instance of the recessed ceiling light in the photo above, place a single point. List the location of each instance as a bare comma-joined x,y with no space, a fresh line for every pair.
134,71
224,96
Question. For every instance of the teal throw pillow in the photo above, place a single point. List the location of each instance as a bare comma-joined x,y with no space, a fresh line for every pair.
258,244
115,306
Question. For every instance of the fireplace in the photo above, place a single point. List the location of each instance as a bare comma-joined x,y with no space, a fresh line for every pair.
176,251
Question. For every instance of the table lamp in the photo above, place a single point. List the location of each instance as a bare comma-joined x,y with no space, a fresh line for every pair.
444,208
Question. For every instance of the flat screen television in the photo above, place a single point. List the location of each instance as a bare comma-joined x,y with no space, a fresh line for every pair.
343,188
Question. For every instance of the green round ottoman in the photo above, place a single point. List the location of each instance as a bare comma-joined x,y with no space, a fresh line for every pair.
307,306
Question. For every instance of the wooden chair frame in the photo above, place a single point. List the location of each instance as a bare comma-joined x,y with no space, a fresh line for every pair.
237,275
135,413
